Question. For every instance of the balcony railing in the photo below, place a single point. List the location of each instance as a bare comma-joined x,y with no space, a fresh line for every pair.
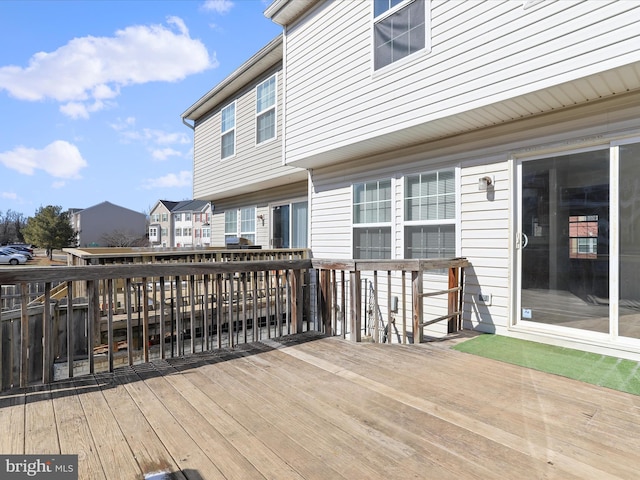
92,318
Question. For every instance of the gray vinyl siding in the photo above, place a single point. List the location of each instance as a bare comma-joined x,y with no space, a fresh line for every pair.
253,166
481,53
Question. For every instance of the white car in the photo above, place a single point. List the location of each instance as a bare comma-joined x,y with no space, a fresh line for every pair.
12,258
17,252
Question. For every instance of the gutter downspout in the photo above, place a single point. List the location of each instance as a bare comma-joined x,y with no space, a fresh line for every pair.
192,127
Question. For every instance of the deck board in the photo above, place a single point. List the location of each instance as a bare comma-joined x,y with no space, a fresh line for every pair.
311,407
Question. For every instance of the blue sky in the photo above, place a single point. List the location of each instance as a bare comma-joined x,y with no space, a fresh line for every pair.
91,94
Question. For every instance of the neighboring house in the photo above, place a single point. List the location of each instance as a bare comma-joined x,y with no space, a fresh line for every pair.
161,224
238,158
191,223
99,225
497,131
181,224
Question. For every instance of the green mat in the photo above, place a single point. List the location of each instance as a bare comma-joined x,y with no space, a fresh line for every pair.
610,372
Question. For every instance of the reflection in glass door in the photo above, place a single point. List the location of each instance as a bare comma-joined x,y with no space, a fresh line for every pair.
564,246
281,226
629,266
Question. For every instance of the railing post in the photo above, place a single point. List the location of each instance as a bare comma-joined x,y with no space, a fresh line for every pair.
416,298
452,300
355,334
325,300
296,301
24,335
90,324
70,326
145,319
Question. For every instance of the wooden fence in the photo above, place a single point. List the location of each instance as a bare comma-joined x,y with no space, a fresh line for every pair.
134,313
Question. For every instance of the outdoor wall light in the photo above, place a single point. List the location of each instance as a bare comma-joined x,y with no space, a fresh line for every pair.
485,183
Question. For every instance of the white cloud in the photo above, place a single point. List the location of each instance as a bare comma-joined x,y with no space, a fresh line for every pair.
9,195
165,153
58,184
59,159
88,72
182,179
218,6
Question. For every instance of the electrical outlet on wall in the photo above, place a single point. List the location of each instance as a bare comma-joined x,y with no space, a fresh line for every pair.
484,298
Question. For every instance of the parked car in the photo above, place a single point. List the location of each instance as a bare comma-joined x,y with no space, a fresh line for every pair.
12,258
23,247
18,252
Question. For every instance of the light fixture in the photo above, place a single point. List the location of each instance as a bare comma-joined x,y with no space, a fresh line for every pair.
485,183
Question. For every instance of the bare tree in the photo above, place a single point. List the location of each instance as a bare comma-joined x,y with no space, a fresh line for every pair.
120,238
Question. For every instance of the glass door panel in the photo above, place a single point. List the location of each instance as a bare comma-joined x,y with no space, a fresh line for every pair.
564,261
629,266
281,233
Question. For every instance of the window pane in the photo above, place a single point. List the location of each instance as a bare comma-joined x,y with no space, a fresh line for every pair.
231,222
372,202
228,144
372,242
228,118
430,241
266,126
400,34
266,95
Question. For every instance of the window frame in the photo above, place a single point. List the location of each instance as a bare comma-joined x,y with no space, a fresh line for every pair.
229,130
264,111
369,226
237,216
410,57
453,222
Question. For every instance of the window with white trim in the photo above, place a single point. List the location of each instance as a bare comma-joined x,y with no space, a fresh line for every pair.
165,217
240,223
228,131
430,215
372,219
266,110
399,30
187,217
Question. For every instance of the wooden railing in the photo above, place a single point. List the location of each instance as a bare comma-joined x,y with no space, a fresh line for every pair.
400,290
181,308
94,318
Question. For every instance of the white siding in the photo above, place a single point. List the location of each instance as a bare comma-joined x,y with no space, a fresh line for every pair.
482,53
253,166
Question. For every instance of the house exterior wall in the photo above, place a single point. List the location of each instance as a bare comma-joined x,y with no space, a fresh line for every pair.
253,165
105,219
160,217
481,53
263,201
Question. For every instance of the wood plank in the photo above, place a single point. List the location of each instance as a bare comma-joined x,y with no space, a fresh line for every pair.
282,434
41,436
110,443
266,461
73,428
150,453
12,419
185,451
538,427
192,417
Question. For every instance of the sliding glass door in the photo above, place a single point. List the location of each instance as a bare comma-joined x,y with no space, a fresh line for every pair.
564,240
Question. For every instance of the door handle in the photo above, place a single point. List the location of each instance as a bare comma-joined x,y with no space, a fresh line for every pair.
525,240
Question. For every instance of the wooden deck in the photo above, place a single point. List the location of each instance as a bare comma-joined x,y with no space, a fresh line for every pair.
311,407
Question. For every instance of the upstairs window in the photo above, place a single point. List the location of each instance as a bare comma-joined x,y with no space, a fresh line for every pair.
266,110
399,30
228,131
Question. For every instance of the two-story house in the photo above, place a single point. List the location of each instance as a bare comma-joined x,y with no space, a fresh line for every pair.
160,224
507,132
180,224
238,157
